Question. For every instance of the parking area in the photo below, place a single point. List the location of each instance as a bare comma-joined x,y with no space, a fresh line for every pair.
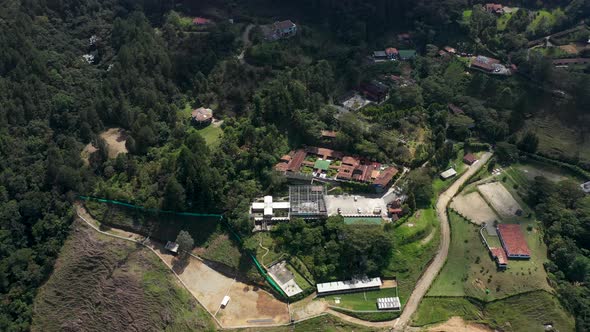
355,205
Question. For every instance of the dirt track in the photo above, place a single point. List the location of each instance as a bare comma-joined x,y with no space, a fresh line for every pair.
439,260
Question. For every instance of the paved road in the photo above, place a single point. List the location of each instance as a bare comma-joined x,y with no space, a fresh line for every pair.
439,260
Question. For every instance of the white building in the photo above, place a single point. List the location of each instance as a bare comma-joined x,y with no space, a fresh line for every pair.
349,286
586,187
270,210
449,173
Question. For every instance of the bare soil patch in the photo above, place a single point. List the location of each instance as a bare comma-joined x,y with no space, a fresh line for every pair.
115,139
500,199
457,324
86,152
474,208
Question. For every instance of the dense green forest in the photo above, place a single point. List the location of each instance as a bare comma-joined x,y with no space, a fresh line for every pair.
146,67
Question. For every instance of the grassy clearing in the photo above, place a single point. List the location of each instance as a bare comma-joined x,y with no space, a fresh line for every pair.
467,16
416,227
434,310
524,312
439,185
469,270
102,282
211,134
503,21
371,316
362,301
540,16
220,248
557,139
411,258
273,255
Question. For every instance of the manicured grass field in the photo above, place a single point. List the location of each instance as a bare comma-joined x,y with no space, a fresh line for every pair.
524,312
467,16
362,300
469,270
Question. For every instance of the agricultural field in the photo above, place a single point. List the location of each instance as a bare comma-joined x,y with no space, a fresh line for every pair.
558,140
469,270
100,281
524,312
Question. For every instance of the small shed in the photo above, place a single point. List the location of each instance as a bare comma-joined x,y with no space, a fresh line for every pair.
225,301
172,247
202,116
449,173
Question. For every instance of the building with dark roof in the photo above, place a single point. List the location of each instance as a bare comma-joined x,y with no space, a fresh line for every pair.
407,54
278,30
375,91
484,63
513,241
494,8
572,61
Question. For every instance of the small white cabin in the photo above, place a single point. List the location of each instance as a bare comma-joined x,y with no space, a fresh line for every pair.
225,301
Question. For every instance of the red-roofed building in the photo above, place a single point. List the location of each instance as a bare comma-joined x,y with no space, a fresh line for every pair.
391,52
513,241
494,8
499,257
201,21
470,159
385,177
450,49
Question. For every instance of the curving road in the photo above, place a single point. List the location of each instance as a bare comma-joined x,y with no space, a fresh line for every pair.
439,260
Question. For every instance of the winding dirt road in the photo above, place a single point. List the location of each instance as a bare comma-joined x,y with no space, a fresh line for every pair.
439,260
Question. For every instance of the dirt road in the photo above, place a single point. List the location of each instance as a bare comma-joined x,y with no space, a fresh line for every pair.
245,42
439,260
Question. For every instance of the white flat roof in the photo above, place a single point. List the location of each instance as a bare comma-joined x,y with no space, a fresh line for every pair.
281,205
388,303
586,187
257,206
448,173
349,285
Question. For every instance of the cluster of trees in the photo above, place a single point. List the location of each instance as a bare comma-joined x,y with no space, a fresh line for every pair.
564,211
331,249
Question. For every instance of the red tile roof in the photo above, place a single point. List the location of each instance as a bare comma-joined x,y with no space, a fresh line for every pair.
469,158
385,176
345,172
201,20
324,153
493,7
348,160
362,173
513,240
297,160
499,255
391,50
395,211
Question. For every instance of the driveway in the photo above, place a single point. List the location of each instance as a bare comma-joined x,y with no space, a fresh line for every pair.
439,260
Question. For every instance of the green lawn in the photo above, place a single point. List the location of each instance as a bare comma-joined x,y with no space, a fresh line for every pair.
539,16
211,134
416,227
503,21
524,312
469,270
467,16
362,300
363,220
